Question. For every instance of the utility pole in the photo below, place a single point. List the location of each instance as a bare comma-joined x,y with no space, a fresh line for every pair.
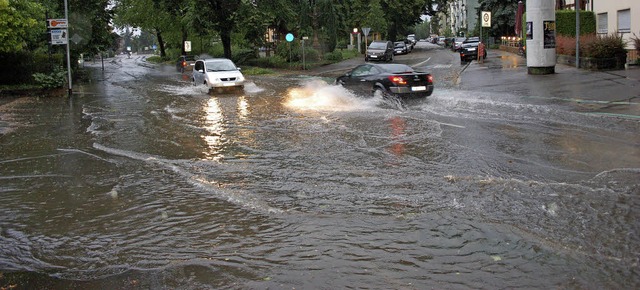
66,16
577,6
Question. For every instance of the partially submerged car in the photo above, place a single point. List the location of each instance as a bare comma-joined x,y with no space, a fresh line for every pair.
217,74
396,80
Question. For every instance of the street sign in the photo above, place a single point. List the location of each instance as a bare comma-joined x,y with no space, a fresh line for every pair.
59,36
366,30
486,18
187,46
57,23
289,37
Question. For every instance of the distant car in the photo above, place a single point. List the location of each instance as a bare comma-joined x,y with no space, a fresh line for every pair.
412,38
185,63
469,49
410,44
441,40
397,80
379,50
457,43
400,47
217,74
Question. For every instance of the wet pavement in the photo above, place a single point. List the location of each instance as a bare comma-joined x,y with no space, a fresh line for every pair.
143,181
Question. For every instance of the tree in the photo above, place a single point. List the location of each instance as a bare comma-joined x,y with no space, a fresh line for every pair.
150,15
220,15
401,15
21,25
503,15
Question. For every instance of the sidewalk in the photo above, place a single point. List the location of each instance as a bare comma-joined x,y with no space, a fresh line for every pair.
607,92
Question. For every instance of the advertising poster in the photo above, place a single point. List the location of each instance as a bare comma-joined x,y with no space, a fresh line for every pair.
549,34
529,30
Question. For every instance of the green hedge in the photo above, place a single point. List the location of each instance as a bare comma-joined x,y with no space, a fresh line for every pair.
566,22
19,67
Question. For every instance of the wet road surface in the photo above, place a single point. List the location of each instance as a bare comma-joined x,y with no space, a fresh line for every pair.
142,181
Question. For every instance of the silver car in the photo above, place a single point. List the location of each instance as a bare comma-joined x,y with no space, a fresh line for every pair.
217,74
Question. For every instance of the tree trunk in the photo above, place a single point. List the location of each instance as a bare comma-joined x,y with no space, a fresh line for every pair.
225,36
184,38
160,43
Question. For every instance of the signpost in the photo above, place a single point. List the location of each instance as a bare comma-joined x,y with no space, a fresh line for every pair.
366,31
289,39
485,18
187,46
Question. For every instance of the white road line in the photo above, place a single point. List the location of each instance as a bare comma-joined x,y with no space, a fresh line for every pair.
422,63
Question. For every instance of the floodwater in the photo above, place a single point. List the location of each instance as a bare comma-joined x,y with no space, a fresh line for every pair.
143,181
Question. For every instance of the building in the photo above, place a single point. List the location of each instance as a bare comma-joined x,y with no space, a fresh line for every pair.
620,16
463,16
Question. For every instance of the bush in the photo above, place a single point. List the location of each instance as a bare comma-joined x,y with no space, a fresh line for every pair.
55,79
636,42
592,45
608,46
269,62
19,67
335,56
154,59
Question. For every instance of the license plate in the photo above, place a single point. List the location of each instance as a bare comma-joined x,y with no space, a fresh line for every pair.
229,84
472,49
419,88
374,56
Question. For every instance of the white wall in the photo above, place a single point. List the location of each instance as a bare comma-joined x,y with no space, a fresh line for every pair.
612,8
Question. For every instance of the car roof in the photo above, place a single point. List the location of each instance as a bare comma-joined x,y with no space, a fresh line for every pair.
393,67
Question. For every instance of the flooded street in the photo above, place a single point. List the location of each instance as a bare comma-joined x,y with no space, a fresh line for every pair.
143,181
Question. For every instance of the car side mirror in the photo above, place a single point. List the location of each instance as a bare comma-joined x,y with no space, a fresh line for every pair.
239,68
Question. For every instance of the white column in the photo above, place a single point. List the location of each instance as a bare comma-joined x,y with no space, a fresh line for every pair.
541,40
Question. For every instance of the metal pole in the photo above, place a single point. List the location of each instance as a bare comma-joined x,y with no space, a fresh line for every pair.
577,6
66,16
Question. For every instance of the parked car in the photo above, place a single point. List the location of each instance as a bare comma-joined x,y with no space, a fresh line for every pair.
469,49
217,74
409,45
185,63
379,50
412,38
390,80
457,44
400,47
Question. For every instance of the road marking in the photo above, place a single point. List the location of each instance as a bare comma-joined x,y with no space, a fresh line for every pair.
422,63
442,66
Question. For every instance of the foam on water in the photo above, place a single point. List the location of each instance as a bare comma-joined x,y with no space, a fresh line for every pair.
236,197
318,95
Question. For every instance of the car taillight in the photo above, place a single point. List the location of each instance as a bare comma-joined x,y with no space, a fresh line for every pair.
430,78
398,80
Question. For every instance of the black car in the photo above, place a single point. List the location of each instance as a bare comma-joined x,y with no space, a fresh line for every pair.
185,63
397,80
379,50
469,49
400,47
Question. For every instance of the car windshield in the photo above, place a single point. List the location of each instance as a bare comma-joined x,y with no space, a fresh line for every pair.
220,65
378,45
399,44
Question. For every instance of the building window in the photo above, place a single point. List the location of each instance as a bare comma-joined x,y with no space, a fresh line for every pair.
624,20
603,22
